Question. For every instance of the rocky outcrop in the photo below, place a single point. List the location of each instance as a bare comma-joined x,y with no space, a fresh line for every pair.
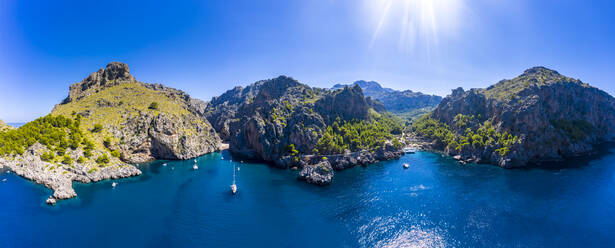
281,120
346,104
176,128
149,136
263,119
59,178
114,74
346,160
553,117
111,113
404,103
320,173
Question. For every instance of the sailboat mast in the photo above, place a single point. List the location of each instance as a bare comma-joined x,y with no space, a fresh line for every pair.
233,173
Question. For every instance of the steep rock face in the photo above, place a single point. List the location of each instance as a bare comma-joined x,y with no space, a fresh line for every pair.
347,104
405,103
262,120
320,173
114,74
553,116
141,121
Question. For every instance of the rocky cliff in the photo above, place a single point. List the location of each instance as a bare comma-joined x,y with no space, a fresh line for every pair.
108,120
141,121
261,120
538,116
281,120
407,103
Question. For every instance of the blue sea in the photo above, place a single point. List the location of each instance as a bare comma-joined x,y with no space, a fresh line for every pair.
434,203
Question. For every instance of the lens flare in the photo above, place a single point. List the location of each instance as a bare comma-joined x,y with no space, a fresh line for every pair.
419,24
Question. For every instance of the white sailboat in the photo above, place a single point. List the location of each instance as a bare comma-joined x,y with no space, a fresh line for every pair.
234,186
195,167
113,184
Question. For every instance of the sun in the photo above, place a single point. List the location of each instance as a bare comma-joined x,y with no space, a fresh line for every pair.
417,23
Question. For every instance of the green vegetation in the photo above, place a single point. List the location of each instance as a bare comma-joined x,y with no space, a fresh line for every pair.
48,156
154,106
485,136
97,128
103,159
67,160
576,130
107,142
122,101
81,160
115,154
357,135
538,76
57,133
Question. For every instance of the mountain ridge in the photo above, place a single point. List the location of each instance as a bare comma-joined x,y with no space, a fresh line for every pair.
538,116
407,104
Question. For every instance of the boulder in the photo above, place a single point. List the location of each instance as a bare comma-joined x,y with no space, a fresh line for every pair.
319,174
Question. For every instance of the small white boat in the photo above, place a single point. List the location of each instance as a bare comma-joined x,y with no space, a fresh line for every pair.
406,166
238,168
165,164
195,167
233,186
114,184
195,160
4,180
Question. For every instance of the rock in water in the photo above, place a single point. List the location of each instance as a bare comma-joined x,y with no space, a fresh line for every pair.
538,116
320,173
51,201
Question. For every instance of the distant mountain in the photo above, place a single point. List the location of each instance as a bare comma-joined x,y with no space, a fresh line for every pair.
407,104
538,116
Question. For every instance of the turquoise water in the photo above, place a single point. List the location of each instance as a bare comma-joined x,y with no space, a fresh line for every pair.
434,203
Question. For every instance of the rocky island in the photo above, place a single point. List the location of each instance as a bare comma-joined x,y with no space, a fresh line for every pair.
108,121
538,116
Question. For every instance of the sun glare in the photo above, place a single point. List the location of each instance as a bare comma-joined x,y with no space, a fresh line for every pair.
418,23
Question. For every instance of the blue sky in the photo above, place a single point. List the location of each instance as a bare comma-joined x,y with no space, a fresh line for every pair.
207,47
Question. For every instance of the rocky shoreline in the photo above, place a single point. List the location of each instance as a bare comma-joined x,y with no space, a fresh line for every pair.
60,178
318,169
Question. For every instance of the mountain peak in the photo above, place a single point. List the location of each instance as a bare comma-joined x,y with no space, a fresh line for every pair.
117,71
542,71
368,84
114,74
